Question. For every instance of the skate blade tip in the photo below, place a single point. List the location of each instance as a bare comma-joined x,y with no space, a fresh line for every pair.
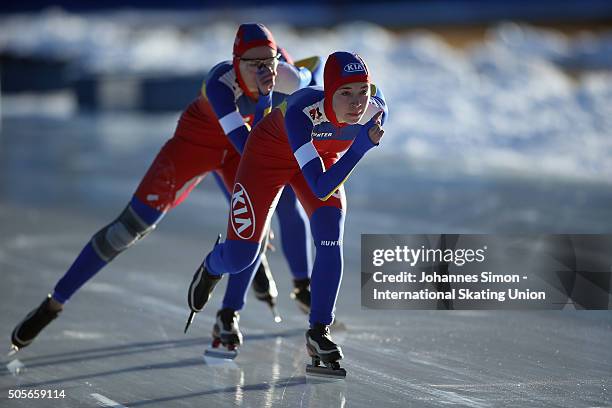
189,321
325,373
220,354
12,350
224,363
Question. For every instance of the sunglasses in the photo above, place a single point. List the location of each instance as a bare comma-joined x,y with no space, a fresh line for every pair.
256,63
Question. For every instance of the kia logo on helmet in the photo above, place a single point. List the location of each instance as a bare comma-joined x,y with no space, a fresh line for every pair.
354,67
241,214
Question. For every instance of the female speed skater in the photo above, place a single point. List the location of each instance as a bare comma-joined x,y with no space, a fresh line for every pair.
299,144
209,136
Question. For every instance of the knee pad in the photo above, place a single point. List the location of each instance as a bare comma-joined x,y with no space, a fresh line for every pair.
120,234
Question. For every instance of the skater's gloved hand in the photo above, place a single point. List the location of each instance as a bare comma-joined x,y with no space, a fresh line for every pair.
265,79
369,135
376,132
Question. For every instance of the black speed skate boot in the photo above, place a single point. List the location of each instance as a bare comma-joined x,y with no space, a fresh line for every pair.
301,294
200,289
322,349
264,287
226,333
27,330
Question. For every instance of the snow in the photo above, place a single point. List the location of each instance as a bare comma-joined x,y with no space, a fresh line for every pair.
504,106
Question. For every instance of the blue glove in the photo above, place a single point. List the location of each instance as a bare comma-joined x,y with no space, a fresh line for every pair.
362,142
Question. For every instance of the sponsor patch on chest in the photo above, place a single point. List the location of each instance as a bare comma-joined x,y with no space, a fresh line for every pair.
322,135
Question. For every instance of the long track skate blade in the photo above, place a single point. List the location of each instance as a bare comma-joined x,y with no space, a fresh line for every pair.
325,372
277,317
12,351
218,362
221,354
189,321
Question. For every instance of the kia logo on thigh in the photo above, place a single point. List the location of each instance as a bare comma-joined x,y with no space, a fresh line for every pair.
241,213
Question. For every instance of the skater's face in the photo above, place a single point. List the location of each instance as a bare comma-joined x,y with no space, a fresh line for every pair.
350,102
258,67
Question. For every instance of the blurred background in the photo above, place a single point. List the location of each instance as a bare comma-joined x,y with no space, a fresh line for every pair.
501,112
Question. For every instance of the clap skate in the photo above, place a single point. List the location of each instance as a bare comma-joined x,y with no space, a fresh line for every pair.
226,336
200,289
27,330
322,349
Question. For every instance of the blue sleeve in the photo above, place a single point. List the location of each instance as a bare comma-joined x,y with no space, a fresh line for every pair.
323,183
315,67
263,107
221,99
306,77
317,75
238,137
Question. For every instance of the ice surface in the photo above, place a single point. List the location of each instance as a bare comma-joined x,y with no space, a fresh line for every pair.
15,366
393,358
121,337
